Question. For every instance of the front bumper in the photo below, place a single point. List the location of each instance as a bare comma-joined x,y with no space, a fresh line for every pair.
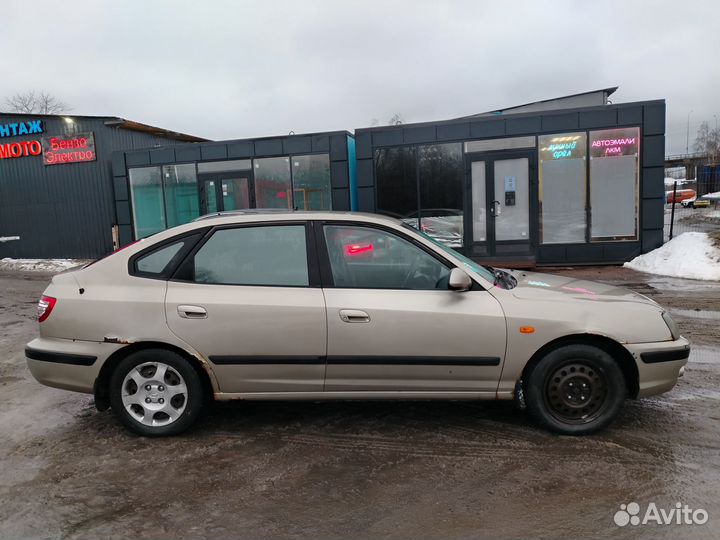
659,364
67,364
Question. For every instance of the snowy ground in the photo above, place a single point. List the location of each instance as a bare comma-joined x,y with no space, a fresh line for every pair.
40,265
692,255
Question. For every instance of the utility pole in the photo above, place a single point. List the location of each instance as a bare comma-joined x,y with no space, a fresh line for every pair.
687,138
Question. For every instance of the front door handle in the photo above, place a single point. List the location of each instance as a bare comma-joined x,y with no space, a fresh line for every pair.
354,315
192,312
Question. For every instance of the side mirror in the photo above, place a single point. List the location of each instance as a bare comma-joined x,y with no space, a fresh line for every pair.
459,281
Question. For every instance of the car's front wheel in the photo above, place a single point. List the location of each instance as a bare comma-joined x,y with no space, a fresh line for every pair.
156,392
575,390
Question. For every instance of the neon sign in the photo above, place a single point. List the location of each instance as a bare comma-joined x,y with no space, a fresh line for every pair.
21,128
565,146
614,142
614,146
20,149
59,149
562,150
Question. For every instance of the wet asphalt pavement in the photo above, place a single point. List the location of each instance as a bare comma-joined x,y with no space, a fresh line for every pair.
359,470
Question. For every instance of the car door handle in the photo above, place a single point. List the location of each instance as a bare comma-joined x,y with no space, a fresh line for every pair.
354,315
192,312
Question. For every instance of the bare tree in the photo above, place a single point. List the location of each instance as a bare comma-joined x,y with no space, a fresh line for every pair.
707,141
36,102
396,119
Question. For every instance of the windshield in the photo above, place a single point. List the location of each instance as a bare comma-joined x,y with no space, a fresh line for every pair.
485,272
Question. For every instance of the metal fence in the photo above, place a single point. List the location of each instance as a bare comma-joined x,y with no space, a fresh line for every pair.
681,214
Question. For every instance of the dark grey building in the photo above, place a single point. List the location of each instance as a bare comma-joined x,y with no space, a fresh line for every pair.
56,189
537,184
569,180
159,188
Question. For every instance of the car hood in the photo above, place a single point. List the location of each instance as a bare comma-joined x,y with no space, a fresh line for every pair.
537,286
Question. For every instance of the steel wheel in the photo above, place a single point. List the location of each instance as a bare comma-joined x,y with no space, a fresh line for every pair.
575,392
154,394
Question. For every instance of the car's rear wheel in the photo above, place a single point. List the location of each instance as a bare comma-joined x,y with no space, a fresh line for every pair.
156,392
575,390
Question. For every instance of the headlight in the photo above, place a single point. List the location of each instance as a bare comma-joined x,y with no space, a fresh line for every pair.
671,325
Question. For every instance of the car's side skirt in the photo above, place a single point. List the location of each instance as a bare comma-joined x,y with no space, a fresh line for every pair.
368,395
359,360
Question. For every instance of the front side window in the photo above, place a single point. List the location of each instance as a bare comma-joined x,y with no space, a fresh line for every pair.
273,255
370,258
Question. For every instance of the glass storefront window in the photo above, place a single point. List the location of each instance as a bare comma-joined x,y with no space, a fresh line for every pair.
441,176
146,195
311,182
181,194
272,183
396,177
562,191
614,162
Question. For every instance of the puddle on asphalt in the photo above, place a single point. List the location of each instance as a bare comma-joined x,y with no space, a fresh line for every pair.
696,313
704,355
665,283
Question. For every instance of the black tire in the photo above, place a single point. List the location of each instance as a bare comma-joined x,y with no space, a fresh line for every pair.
575,390
187,406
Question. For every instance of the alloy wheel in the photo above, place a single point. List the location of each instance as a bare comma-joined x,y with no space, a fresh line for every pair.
154,394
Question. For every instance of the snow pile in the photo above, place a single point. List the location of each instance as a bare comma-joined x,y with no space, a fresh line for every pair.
712,196
691,255
40,265
670,181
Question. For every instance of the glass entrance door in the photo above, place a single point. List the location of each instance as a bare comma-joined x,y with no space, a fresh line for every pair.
502,209
235,193
224,192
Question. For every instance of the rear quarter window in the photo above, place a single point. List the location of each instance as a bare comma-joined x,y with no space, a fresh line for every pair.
160,262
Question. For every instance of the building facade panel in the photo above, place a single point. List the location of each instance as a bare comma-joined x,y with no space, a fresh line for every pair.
235,175
65,209
549,187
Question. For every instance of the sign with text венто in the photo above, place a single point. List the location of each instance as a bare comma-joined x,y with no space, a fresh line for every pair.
59,149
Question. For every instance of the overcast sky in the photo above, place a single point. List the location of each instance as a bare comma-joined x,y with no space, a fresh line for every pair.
244,69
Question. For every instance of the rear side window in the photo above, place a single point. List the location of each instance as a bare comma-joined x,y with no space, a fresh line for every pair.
160,262
274,255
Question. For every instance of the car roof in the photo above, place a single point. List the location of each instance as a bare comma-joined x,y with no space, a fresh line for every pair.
269,214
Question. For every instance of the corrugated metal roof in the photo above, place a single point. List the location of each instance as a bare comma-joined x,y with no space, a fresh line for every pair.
116,121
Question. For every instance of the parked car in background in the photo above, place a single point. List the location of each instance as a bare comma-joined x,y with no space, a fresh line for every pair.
696,203
680,195
323,305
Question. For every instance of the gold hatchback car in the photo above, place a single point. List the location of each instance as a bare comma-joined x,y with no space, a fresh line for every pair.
295,305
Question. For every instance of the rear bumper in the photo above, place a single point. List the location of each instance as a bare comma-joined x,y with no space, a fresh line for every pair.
659,364
67,364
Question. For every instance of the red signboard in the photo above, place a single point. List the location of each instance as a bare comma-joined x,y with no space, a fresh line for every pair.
19,149
58,149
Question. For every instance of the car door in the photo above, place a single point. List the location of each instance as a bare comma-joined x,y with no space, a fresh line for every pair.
248,299
393,324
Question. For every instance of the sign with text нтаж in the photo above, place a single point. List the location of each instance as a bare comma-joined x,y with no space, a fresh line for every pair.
59,149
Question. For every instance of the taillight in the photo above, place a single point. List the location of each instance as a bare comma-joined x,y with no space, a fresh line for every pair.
45,307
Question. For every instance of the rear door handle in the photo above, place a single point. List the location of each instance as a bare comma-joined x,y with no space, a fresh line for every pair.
354,315
192,312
